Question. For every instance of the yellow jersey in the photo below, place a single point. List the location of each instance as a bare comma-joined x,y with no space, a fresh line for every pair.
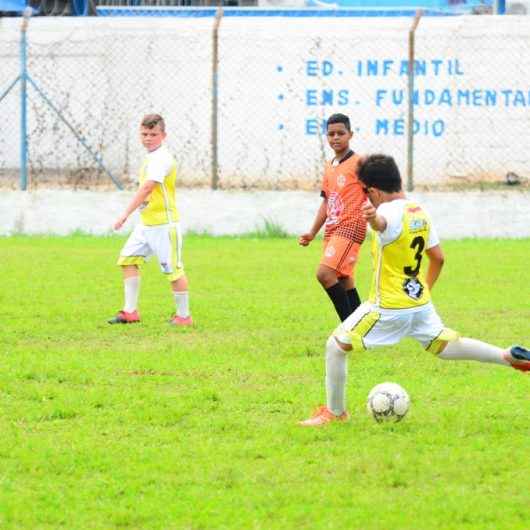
161,205
397,252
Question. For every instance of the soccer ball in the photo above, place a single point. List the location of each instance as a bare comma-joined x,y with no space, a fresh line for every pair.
388,402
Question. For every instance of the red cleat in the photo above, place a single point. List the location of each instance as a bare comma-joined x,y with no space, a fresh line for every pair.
519,358
323,416
123,317
181,321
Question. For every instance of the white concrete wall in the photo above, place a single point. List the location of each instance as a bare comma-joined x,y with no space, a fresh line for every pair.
279,78
457,215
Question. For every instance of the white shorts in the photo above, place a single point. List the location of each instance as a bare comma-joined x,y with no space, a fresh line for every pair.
163,241
368,327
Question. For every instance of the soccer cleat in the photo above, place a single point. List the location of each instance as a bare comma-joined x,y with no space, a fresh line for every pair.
123,317
520,358
181,321
322,416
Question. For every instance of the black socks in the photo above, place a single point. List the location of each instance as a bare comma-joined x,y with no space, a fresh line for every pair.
345,302
340,300
353,298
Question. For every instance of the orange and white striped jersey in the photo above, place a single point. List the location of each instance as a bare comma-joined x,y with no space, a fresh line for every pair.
345,196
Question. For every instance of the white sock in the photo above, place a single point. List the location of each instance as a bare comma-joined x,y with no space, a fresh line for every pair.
131,289
336,372
182,302
465,349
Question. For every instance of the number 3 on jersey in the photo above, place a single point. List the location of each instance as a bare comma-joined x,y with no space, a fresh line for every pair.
418,244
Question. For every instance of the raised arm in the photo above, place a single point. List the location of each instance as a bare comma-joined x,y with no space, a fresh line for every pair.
376,221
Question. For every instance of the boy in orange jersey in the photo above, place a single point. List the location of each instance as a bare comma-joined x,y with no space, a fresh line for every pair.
340,211
158,232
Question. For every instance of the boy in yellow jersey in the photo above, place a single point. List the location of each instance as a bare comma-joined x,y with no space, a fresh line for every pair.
400,301
158,232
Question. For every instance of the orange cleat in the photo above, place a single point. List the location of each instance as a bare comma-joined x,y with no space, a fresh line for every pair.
123,317
181,321
322,416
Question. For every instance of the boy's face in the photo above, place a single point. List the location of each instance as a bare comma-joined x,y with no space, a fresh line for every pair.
152,138
339,137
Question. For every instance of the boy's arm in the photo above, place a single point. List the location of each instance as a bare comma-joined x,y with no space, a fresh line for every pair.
436,262
139,197
376,221
320,218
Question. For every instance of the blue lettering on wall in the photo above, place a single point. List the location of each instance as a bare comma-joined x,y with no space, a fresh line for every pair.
316,68
386,127
311,97
388,97
326,97
315,126
420,67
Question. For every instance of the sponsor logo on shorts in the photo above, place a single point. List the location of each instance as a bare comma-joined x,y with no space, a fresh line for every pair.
413,288
165,267
330,251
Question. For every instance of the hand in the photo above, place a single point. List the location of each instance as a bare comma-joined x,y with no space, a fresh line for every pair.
368,210
120,222
305,239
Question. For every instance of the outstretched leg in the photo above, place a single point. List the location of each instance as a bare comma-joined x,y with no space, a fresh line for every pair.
464,349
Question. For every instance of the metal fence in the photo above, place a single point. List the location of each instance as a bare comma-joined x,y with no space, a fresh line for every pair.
245,96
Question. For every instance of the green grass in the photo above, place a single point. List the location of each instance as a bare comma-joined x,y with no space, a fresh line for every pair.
149,427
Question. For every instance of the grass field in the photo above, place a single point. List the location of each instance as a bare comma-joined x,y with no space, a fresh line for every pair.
150,427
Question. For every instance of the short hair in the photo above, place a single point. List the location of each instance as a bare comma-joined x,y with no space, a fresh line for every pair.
381,172
339,118
152,120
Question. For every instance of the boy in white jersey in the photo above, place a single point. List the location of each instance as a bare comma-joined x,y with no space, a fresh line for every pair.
400,302
158,232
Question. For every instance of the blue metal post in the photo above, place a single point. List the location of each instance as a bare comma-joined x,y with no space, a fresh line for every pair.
23,105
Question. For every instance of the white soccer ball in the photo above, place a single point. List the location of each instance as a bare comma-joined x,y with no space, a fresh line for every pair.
388,402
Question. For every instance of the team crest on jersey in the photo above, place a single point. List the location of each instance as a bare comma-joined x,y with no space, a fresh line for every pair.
341,181
330,251
417,224
413,288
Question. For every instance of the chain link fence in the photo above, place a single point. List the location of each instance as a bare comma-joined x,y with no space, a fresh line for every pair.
475,98
246,99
